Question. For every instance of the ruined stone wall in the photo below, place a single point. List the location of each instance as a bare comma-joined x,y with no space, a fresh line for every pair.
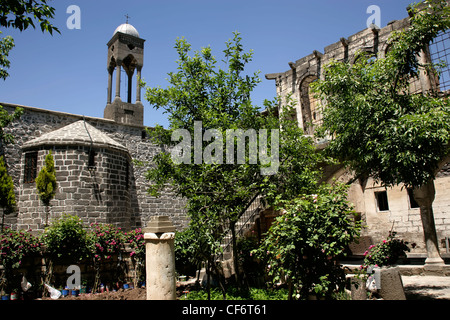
295,82
406,221
84,198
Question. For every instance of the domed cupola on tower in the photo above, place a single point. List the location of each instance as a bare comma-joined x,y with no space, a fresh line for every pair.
125,52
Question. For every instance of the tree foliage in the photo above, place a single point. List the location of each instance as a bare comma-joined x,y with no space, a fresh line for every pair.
217,192
21,14
5,120
377,126
6,44
66,238
46,182
7,196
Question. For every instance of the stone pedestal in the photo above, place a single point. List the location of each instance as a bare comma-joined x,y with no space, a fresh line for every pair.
391,284
160,259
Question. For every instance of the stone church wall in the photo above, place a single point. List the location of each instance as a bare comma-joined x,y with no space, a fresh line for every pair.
78,191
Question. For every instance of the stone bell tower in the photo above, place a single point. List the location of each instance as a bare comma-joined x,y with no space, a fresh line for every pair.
125,50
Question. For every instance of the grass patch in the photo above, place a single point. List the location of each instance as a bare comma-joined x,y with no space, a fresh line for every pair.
234,293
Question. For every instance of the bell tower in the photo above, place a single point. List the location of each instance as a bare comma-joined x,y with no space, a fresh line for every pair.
125,52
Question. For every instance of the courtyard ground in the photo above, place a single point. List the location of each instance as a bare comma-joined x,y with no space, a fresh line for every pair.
416,288
426,287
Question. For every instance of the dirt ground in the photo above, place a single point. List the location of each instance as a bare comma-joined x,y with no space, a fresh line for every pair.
416,288
121,294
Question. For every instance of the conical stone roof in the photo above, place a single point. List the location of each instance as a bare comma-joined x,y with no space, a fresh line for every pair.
79,133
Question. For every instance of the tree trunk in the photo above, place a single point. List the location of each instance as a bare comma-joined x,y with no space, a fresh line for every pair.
208,278
235,256
424,196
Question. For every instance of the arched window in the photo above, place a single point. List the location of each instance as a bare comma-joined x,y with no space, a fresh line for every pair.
310,106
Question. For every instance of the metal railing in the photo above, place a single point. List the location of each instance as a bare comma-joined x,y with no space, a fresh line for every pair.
243,224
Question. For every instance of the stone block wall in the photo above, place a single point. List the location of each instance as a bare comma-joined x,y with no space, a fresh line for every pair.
84,191
406,221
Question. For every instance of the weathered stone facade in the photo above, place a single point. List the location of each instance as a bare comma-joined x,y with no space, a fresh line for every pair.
400,214
100,193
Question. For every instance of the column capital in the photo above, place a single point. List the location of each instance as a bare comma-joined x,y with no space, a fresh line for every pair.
159,224
159,236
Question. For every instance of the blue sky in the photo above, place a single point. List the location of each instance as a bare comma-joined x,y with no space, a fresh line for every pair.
67,72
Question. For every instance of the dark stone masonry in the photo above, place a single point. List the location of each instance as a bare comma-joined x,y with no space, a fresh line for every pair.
97,180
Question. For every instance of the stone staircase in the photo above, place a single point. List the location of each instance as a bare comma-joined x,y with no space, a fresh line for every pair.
245,223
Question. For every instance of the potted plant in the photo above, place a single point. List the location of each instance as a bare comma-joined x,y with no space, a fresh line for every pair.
4,295
386,252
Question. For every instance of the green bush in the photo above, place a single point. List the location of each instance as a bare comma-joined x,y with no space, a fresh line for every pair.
104,241
304,244
135,239
385,253
66,238
186,252
15,246
251,268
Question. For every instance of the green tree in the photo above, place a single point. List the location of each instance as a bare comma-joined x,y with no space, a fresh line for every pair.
46,183
378,128
217,192
21,14
5,120
7,196
6,44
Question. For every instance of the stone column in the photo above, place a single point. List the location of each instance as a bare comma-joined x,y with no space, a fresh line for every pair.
424,196
130,76
138,87
118,72
108,99
160,259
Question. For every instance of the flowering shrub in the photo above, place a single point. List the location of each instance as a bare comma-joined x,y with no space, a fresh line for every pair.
304,244
15,245
105,240
135,239
386,252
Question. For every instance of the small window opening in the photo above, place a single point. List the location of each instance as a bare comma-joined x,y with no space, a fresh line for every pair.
127,174
91,159
127,111
412,202
382,201
130,46
30,171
